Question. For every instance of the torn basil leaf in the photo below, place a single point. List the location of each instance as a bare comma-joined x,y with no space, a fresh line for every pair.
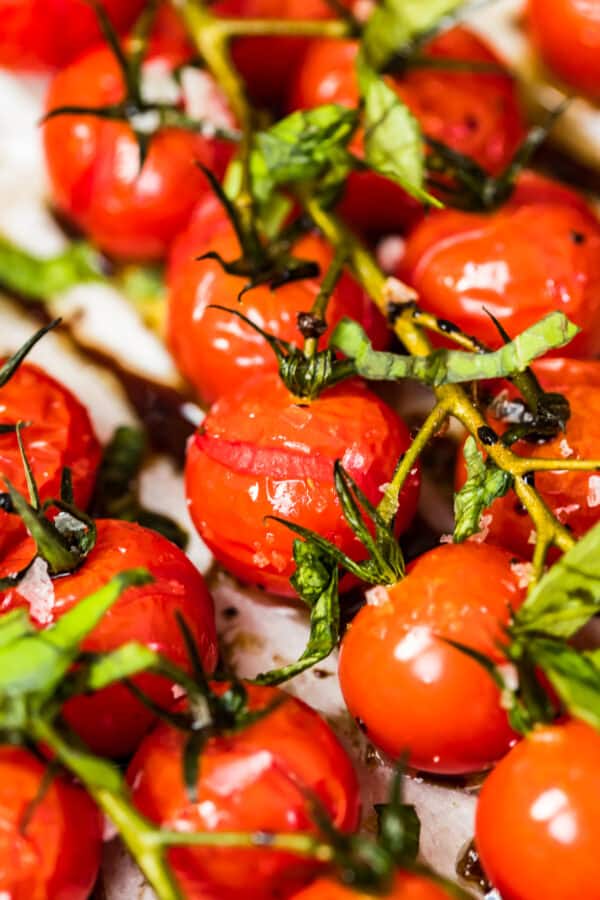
485,483
395,24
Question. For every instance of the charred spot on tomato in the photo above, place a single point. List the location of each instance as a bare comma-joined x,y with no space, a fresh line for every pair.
6,503
577,237
520,509
487,436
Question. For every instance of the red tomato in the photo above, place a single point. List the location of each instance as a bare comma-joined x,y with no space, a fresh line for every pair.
574,497
275,455
538,818
58,855
422,696
519,263
476,113
112,722
59,435
42,34
251,780
406,886
93,163
216,351
567,33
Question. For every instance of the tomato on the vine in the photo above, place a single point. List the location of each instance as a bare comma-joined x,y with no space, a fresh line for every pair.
113,721
216,350
94,163
406,886
56,854
274,455
538,818
567,33
530,257
257,779
476,113
407,687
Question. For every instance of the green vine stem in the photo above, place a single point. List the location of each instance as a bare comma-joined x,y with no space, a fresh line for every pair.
319,308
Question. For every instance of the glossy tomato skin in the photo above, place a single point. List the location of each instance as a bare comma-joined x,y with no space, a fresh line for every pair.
406,886
249,781
414,693
59,435
520,263
57,856
112,722
574,497
47,34
261,452
538,818
215,350
93,163
567,33
475,113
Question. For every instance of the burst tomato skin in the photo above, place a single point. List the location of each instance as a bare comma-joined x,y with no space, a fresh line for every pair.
59,435
249,781
58,856
538,818
574,497
93,164
275,455
215,350
112,722
520,263
475,113
406,886
410,690
46,34
567,33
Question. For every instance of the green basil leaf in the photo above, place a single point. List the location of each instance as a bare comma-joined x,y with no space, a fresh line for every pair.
453,366
575,676
36,278
568,595
485,483
396,23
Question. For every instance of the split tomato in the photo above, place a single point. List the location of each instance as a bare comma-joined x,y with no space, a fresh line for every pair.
409,690
261,452
567,33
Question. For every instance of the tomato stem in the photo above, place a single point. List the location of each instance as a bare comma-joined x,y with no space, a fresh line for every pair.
319,308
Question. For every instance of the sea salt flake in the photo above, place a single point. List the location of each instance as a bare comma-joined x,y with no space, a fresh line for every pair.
377,596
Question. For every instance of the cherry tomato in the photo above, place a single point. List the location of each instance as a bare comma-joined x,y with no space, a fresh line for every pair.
275,455
93,163
567,33
406,886
574,497
216,351
59,435
411,691
112,722
251,780
519,263
57,855
43,34
476,113
538,820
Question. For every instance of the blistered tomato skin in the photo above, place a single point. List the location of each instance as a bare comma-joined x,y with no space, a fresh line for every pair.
519,263
406,886
250,781
411,691
93,164
57,856
567,34
214,349
475,113
262,452
574,497
112,722
538,818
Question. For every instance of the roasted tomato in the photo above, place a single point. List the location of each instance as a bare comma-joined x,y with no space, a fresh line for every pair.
261,452
574,497
59,434
94,163
474,112
252,780
538,820
412,692
42,34
57,855
406,886
567,33
519,263
112,721
216,350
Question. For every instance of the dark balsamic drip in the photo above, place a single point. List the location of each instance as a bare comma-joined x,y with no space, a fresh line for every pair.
469,868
